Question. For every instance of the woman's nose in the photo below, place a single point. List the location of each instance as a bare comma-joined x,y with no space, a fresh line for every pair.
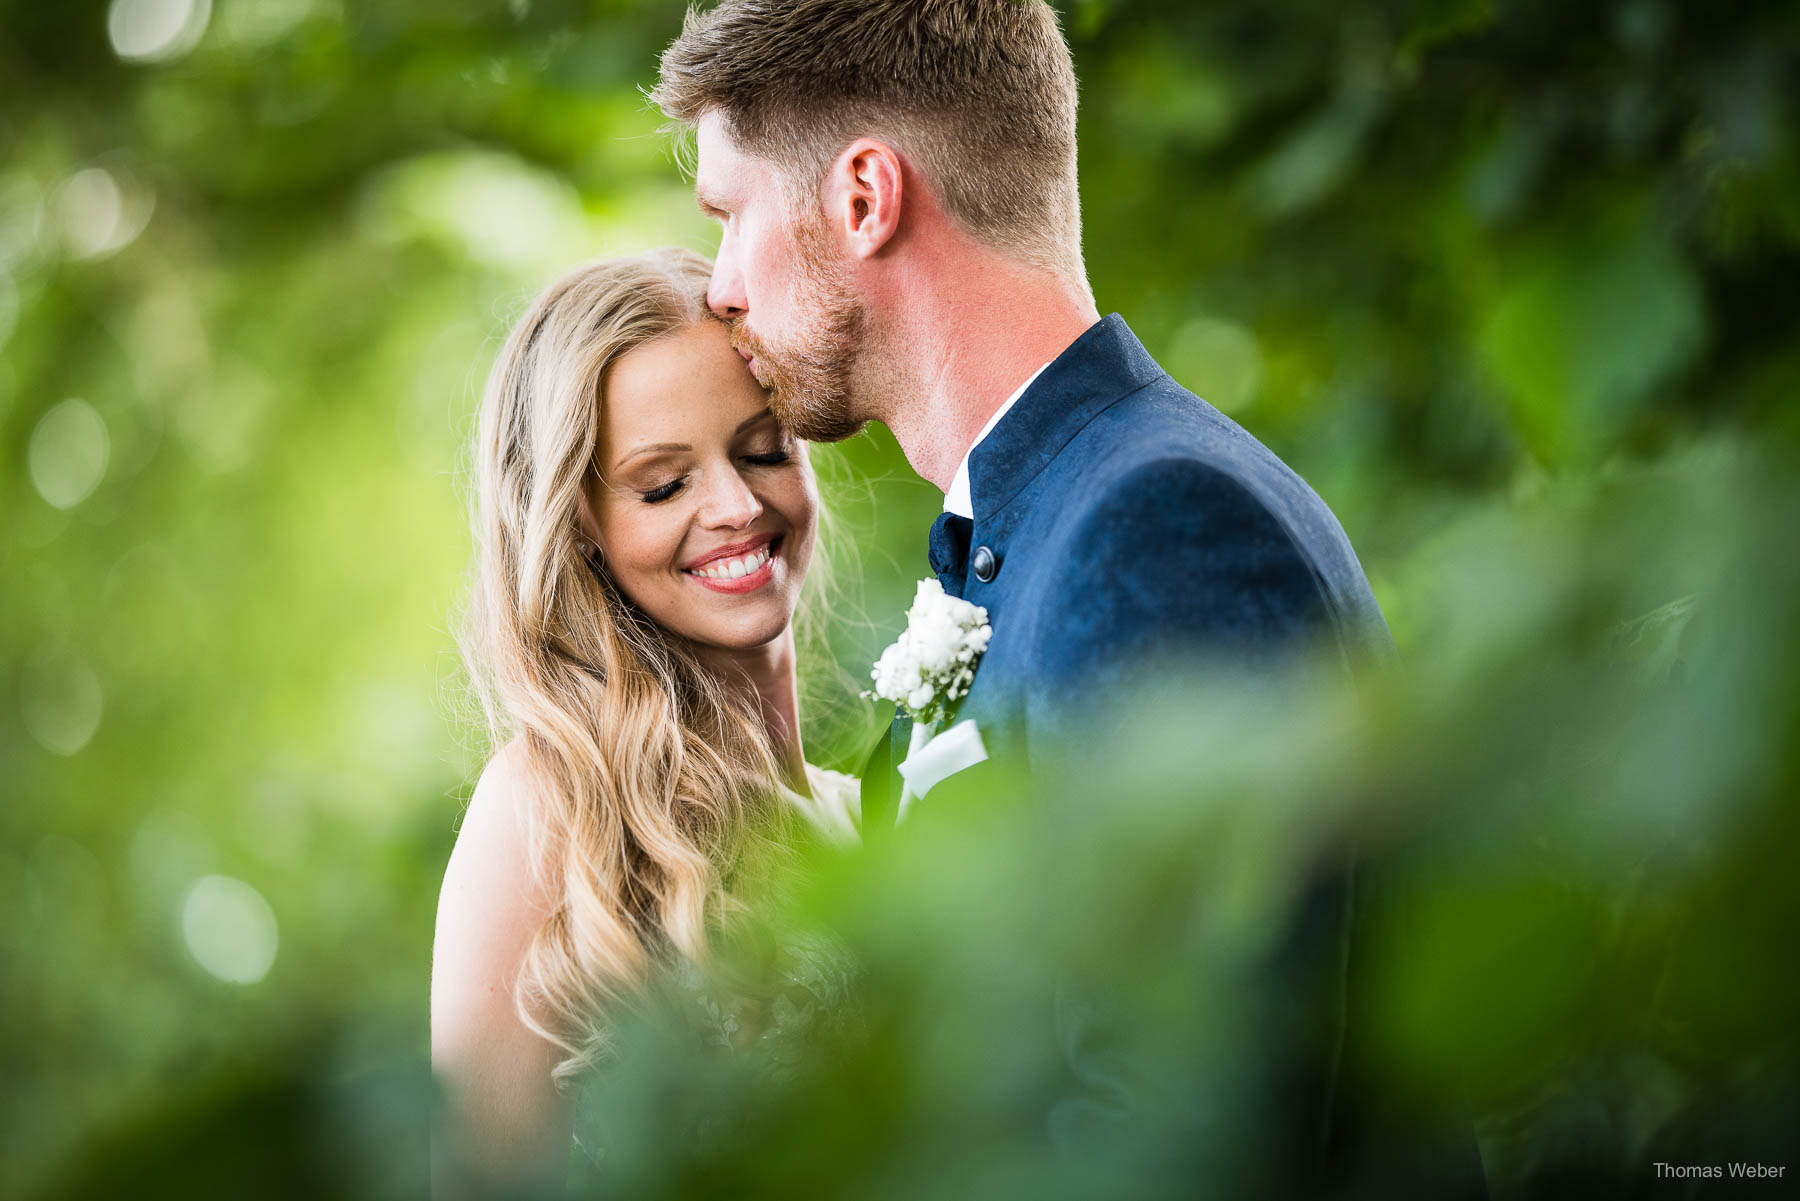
730,503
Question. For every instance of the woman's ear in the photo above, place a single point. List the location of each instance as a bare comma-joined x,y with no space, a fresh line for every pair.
588,540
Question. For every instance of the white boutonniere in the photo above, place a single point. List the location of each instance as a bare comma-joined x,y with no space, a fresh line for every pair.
926,671
930,666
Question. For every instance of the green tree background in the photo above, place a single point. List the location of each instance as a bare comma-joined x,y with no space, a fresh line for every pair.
1512,284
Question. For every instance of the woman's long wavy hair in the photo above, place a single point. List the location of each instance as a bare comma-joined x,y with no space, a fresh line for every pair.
651,802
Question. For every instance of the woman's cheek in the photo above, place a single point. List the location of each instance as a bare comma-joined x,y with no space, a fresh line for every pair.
800,505
645,544
801,490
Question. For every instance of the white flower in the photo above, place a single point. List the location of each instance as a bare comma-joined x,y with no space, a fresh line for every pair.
932,664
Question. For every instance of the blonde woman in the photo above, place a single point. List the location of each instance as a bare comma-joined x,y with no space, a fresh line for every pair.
643,528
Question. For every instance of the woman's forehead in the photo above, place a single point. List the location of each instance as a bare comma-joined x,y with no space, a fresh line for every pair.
687,386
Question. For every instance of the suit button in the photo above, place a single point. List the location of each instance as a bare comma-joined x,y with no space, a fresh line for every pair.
986,564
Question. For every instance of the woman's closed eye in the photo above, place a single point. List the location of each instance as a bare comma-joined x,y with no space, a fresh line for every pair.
768,458
663,492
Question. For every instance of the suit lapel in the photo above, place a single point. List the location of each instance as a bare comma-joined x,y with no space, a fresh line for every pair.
1105,363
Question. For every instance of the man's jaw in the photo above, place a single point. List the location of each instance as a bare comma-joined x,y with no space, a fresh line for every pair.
806,395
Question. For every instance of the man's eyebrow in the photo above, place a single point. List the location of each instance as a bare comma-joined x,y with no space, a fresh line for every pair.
709,203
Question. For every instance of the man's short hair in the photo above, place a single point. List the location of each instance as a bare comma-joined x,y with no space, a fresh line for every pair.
980,94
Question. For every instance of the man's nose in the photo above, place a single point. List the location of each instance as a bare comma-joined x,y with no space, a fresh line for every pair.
725,293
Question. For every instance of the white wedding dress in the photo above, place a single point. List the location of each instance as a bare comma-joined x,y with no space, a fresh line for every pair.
835,807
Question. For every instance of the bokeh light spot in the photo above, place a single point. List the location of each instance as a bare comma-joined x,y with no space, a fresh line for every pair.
491,208
1218,361
92,210
229,929
62,703
100,212
156,30
68,453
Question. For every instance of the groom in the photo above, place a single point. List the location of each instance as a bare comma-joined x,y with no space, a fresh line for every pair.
896,182
896,185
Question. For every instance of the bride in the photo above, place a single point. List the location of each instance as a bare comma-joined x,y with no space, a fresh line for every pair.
643,528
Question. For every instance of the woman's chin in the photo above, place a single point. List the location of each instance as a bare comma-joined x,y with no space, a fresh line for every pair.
747,633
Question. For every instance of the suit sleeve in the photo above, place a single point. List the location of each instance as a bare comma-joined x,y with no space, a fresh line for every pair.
1176,563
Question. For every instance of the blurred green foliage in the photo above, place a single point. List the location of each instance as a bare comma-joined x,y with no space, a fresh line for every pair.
1511,283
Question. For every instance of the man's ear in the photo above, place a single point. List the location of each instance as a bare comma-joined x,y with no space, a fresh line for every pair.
864,195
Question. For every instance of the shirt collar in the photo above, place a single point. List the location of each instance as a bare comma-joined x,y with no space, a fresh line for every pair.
957,500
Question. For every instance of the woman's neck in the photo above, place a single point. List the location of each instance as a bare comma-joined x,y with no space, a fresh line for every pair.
769,675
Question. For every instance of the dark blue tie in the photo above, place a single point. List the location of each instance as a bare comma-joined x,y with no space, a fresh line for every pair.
950,536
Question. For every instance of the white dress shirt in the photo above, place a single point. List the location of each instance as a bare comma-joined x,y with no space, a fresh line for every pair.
957,500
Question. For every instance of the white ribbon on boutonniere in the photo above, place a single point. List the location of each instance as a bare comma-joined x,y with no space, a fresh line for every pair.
927,670
934,758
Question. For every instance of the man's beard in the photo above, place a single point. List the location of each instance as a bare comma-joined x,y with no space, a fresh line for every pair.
811,381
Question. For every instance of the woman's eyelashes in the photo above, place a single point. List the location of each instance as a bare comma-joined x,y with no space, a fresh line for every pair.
769,458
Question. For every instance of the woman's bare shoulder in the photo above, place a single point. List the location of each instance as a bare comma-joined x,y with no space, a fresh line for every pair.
490,906
492,840
505,1119
496,807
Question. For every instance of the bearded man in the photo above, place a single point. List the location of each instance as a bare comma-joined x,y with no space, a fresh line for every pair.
895,181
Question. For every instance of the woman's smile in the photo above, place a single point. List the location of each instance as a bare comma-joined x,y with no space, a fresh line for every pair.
739,567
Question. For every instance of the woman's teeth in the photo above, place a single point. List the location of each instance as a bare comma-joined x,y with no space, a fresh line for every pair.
734,569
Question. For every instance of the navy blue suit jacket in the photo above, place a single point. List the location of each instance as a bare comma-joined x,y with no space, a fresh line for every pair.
1128,522
1121,521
